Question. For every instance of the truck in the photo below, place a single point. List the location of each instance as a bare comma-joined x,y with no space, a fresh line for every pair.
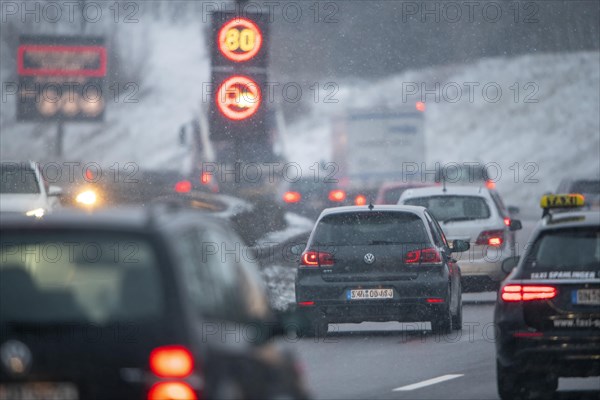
372,146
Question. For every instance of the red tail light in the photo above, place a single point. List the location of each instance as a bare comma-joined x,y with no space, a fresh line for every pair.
316,259
514,293
183,187
306,303
435,300
490,184
337,195
205,178
491,238
172,391
171,362
507,221
420,106
292,197
423,256
360,200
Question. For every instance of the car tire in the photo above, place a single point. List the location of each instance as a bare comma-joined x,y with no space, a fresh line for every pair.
315,328
457,320
442,321
508,383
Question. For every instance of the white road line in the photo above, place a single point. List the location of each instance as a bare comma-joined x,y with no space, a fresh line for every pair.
428,382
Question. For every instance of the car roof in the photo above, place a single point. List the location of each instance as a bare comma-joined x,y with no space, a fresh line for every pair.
353,209
151,218
409,184
569,219
448,190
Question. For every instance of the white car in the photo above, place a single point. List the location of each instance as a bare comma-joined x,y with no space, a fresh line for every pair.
476,215
23,190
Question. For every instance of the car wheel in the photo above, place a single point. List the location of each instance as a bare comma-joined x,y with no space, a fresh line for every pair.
509,383
442,322
457,319
315,328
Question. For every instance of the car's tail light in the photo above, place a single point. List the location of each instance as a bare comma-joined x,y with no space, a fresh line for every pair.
306,303
205,178
491,238
183,187
513,293
172,391
292,197
316,259
507,221
423,256
337,195
360,200
435,300
490,184
171,362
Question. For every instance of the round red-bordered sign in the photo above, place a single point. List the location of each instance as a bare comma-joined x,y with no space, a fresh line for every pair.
239,39
238,97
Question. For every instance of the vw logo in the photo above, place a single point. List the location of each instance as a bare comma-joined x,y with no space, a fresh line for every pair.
369,258
15,357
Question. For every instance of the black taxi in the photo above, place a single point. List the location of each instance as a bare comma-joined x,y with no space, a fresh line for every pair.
547,313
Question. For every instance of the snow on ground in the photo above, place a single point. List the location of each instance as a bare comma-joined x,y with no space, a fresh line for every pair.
296,225
548,130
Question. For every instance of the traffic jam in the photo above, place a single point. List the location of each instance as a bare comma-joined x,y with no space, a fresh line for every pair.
299,200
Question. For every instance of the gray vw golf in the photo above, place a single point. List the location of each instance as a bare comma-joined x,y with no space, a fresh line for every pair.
379,263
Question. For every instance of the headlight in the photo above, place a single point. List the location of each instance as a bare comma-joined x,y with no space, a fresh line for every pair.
38,213
87,198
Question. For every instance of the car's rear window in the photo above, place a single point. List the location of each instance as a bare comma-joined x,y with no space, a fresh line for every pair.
571,249
78,277
591,187
452,207
370,228
16,179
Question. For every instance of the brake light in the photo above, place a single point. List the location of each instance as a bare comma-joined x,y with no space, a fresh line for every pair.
205,178
507,221
491,238
316,259
420,106
172,391
183,187
490,184
360,200
435,300
306,303
292,197
337,195
171,362
515,293
423,256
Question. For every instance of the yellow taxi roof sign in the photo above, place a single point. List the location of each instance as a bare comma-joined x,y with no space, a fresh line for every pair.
562,200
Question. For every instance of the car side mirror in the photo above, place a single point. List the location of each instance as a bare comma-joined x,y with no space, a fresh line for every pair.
55,191
459,246
513,210
515,225
510,263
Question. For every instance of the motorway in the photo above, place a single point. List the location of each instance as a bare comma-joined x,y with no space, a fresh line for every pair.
406,361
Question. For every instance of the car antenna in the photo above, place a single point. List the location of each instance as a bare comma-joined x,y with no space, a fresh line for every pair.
443,183
371,206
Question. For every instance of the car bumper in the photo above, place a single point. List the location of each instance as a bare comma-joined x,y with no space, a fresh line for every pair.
409,304
562,353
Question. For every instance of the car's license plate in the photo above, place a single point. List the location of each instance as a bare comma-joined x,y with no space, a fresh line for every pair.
586,296
39,391
369,294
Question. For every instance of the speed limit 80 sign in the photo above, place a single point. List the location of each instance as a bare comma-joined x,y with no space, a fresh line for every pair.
239,40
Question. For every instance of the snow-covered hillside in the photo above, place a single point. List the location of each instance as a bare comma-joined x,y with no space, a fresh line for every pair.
547,130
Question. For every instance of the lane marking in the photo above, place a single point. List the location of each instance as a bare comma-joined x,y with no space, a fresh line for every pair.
428,382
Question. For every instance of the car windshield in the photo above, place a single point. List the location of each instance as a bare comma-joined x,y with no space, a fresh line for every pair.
570,249
370,228
453,208
78,278
18,180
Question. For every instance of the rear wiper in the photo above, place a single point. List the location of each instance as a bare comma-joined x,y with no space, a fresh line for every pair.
459,219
